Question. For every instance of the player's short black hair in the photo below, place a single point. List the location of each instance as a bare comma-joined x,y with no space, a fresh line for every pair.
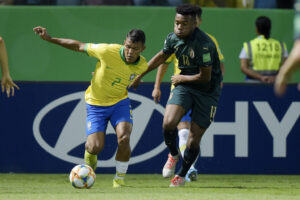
187,9
263,25
198,11
136,35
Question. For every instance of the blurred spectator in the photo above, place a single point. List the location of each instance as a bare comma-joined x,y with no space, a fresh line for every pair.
34,2
107,2
262,57
68,2
157,2
265,4
205,3
245,3
223,3
285,4
6,2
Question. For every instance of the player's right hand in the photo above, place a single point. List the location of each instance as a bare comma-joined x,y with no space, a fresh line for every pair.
156,93
42,32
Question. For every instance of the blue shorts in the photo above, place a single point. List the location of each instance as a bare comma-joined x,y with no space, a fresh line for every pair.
98,116
187,117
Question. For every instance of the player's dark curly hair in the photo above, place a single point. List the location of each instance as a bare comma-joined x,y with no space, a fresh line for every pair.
198,10
136,35
187,9
263,25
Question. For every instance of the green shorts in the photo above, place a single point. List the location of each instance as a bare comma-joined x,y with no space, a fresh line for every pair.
203,105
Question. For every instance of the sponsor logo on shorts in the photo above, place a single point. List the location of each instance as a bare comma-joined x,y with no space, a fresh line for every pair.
89,125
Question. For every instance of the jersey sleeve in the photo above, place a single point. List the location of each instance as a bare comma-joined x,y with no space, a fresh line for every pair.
170,59
94,50
221,56
207,56
243,54
168,48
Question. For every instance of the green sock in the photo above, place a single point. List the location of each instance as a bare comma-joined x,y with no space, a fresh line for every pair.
90,159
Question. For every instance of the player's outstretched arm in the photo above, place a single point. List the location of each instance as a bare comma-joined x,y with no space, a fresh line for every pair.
161,71
7,83
157,60
67,43
285,73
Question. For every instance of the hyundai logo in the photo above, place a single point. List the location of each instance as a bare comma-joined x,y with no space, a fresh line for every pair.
73,132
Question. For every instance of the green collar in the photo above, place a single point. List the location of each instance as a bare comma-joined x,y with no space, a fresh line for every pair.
124,59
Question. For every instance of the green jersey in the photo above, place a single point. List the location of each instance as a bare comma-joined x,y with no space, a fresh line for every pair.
198,50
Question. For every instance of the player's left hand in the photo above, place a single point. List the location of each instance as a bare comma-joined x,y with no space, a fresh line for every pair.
8,85
176,79
156,93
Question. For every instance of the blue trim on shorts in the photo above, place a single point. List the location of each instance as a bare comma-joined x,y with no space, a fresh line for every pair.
187,117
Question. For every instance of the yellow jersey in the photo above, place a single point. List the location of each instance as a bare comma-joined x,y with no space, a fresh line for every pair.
112,74
174,59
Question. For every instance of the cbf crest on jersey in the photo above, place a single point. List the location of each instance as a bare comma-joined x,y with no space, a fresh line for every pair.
192,53
132,77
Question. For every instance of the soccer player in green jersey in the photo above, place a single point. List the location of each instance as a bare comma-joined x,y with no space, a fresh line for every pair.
197,87
107,96
7,83
184,125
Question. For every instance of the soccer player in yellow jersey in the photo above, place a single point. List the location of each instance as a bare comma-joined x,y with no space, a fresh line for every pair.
184,125
107,96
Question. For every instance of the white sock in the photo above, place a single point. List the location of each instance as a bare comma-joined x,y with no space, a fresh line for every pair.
121,169
183,136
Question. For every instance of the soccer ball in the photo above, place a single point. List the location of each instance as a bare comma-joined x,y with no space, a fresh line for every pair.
82,176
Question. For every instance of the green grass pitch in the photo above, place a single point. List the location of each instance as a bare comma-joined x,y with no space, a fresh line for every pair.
150,187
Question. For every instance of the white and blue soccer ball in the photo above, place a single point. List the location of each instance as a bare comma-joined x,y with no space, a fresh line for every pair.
82,176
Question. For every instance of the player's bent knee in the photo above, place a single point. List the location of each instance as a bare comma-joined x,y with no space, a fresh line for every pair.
94,148
169,125
124,140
